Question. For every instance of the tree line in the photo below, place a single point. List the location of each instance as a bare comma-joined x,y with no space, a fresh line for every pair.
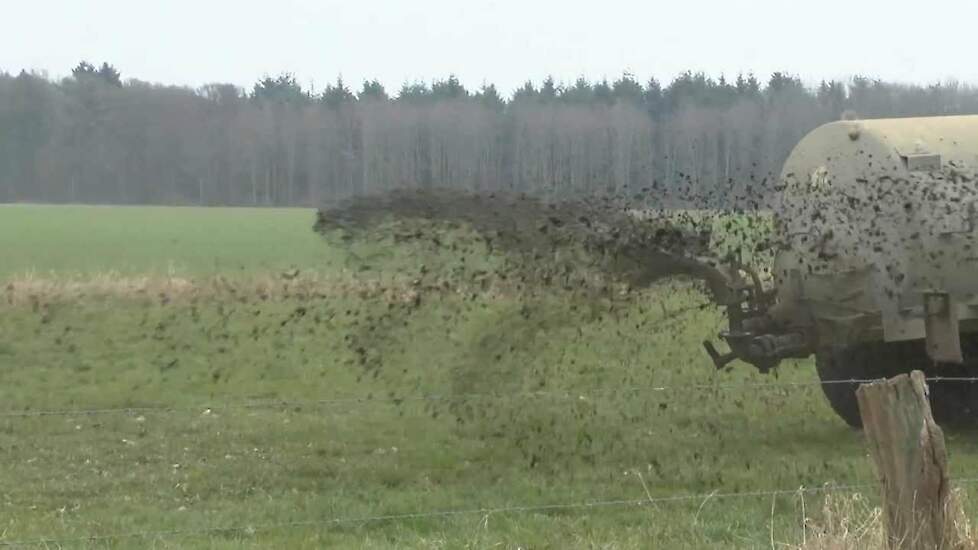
94,137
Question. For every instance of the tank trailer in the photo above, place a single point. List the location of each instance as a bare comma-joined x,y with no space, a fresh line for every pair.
875,270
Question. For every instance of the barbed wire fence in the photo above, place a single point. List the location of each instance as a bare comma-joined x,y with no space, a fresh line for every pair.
367,400
587,505
354,401
350,402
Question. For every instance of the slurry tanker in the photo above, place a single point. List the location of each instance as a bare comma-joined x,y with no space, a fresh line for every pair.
875,270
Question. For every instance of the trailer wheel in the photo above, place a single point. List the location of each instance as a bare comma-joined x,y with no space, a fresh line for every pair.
953,402
836,367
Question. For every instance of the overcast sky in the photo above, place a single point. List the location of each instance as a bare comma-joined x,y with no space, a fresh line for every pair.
505,42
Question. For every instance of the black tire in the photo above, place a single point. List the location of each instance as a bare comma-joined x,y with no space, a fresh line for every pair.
836,366
952,402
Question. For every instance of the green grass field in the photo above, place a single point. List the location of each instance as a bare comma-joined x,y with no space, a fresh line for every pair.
284,416
82,240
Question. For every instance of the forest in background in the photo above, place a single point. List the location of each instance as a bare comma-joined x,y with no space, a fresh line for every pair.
95,137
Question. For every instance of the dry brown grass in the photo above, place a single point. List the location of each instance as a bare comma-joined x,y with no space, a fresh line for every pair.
849,522
397,288
30,289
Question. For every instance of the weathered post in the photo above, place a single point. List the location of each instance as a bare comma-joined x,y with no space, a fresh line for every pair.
911,461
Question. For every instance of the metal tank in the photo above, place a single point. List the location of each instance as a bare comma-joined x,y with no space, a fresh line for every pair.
876,270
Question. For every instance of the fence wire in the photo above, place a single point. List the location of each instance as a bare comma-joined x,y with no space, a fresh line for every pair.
351,401
437,397
250,530
522,509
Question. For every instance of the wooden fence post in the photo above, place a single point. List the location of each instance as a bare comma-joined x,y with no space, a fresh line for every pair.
911,461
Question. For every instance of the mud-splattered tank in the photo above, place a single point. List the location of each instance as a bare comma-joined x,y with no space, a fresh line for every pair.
877,263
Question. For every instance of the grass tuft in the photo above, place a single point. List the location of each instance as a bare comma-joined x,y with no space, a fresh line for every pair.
850,522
